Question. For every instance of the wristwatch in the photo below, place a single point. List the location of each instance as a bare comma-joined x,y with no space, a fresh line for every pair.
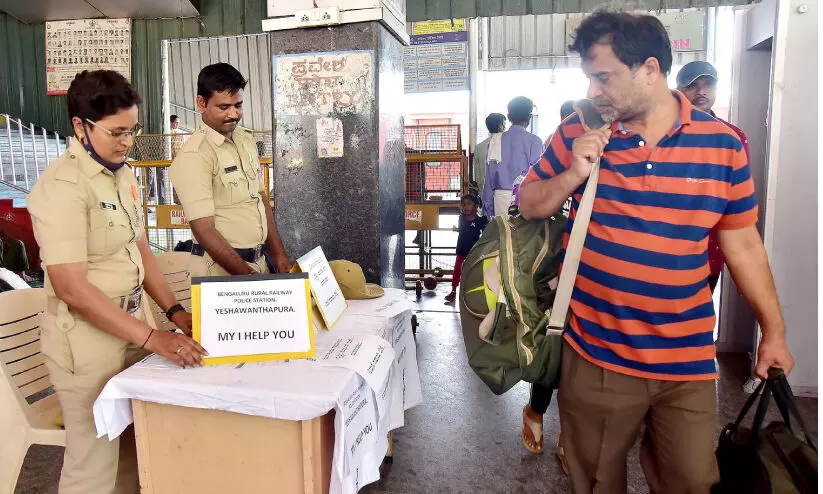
174,309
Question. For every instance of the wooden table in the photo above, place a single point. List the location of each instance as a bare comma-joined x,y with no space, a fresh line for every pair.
197,451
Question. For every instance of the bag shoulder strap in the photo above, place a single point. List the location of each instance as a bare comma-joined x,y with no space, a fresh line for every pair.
571,262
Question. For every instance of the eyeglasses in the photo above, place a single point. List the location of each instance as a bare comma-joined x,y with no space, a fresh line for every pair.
119,134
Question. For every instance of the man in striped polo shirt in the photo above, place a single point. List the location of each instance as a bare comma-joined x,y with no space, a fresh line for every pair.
639,346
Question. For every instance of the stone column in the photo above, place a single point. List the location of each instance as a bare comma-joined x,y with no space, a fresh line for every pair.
353,206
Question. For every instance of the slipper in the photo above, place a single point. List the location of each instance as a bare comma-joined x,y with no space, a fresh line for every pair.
532,436
561,455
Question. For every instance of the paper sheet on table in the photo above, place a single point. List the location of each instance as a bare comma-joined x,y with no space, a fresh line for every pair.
369,356
407,392
393,302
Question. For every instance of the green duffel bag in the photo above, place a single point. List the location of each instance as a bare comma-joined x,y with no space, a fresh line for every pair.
505,333
513,305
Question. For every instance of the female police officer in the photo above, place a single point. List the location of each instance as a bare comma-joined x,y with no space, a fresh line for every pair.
88,224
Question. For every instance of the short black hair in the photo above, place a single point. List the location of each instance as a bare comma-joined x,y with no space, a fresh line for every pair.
97,94
633,38
566,109
494,121
520,110
218,78
473,198
173,118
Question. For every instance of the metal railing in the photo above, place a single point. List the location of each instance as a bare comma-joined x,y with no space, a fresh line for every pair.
26,150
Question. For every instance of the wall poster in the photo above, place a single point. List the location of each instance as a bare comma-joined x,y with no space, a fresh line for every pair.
85,44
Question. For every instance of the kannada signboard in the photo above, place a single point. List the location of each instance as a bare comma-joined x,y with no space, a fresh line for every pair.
85,44
438,57
686,29
253,318
323,83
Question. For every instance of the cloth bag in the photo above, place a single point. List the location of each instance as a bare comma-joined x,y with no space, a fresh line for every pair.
513,305
769,459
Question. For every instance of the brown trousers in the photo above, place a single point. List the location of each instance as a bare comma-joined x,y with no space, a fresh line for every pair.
601,414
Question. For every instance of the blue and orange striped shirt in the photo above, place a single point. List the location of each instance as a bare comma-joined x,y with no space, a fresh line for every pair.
641,304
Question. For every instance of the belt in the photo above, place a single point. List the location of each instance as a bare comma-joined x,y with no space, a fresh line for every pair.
129,303
249,255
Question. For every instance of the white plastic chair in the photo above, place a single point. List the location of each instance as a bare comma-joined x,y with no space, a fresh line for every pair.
23,378
174,266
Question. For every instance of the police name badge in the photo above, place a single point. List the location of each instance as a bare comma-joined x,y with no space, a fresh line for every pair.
253,318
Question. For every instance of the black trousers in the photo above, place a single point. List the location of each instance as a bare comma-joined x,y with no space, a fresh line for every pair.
713,279
540,398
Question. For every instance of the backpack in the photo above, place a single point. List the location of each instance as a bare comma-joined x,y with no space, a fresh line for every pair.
513,305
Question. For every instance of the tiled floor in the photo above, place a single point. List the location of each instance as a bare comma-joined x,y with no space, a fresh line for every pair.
463,438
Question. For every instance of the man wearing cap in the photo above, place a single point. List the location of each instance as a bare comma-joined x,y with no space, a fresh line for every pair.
698,81
217,178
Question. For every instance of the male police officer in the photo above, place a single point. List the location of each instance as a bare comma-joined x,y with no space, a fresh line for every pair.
217,178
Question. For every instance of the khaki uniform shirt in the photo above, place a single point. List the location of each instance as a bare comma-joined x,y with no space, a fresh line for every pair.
82,212
218,177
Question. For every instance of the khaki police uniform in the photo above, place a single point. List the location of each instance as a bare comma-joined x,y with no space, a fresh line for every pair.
82,212
218,177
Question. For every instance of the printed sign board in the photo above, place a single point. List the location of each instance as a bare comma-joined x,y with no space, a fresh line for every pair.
438,58
253,318
330,300
171,216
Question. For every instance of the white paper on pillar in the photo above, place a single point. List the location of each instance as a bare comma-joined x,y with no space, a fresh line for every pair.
329,137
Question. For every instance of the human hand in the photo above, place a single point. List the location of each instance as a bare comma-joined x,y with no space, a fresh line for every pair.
282,264
182,320
773,352
176,347
587,149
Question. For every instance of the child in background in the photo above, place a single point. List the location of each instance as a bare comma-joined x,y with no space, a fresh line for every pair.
469,228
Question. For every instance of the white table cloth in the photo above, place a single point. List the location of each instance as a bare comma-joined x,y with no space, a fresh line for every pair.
370,400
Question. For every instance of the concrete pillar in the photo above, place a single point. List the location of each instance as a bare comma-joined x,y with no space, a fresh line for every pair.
352,206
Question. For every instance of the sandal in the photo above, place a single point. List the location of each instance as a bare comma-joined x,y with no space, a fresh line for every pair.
532,436
561,455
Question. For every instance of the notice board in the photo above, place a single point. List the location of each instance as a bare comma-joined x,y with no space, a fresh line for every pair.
438,58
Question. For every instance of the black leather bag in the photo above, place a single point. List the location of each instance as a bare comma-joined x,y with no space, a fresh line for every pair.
769,459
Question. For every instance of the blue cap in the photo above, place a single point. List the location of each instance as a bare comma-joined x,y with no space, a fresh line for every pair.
693,71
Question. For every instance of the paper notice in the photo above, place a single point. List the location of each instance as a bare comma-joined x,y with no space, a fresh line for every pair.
369,356
329,138
327,294
359,424
393,302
